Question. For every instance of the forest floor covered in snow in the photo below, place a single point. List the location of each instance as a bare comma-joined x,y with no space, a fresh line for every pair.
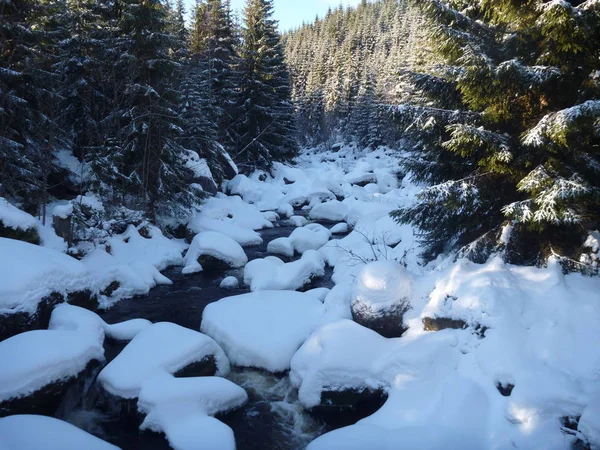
463,355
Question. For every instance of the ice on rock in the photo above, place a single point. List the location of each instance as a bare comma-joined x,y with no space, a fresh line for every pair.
214,245
309,237
34,359
230,283
340,228
31,432
273,274
281,246
333,211
262,329
162,348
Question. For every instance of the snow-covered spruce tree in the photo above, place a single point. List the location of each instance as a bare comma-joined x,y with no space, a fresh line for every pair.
29,131
512,127
265,124
146,155
214,42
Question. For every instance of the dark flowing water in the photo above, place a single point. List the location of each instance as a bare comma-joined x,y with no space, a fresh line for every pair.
272,419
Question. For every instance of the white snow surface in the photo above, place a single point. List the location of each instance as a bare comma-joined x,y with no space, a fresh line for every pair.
13,217
382,284
31,432
309,237
34,359
163,348
217,245
340,228
281,246
263,329
271,273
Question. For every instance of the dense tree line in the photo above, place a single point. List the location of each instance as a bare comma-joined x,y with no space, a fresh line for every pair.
507,130
345,71
120,98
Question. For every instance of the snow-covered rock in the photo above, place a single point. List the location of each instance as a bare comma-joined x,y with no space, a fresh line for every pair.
273,274
281,246
242,235
35,360
229,283
340,228
298,221
31,432
333,211
17,224
589,423
381,295
162,348
211,250
341,356
309,237
181,408
262,329
285,210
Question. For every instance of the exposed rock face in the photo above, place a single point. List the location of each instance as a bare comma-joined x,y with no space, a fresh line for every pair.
381,296
443,323
346,407
208,185
13,324
63,228
29,235
85,299
210,263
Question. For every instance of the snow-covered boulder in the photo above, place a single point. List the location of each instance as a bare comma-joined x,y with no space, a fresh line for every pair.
33,432
285,210
381,295
181,409
340,228
298,221
229,283
309,237
336,372
333,211
262,329
281,246
162,348
17,224
272,274
242,235
39,366
33,280
211,250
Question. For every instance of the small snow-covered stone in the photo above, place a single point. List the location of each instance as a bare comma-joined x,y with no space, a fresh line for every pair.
271,216
381,296
333,211
298,221
340,228
309,237
262,329
214,251
285,210
33,432
281,246
230,283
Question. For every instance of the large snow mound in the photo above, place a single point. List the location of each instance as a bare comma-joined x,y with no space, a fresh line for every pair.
273,274
30,432
309,237
34,359
162,348
29,273
262,329
215,245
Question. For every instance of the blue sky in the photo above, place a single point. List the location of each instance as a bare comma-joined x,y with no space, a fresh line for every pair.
291,13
